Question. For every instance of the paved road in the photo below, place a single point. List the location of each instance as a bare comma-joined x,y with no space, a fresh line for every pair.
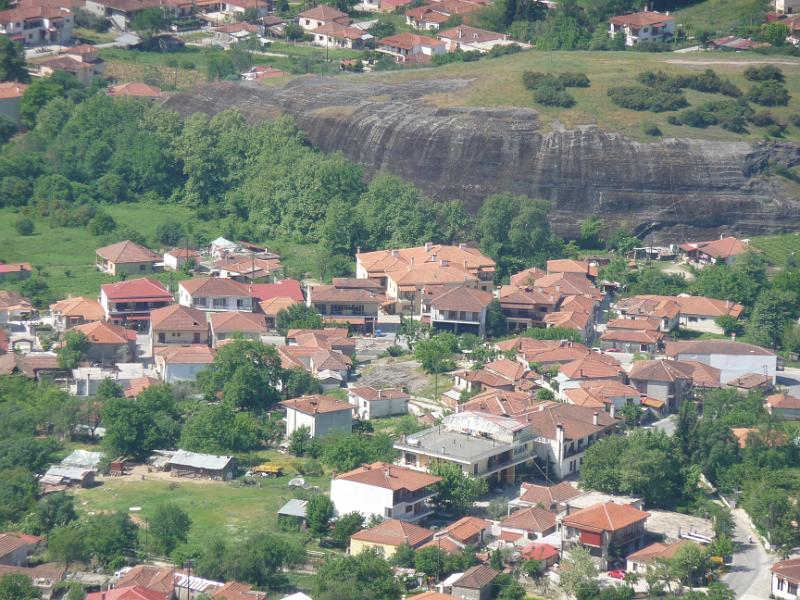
749,576
666,425
790,377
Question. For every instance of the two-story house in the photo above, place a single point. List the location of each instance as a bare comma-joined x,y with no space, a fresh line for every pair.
386,537
458,309
321,15
229,325
785,579
344,303
411,47
372,403
646,26
70,312
108,343
602,526
125,258
669,381
527,524
733,359
525,307
178,324
724,250
320,414
132,301
32,25
663,308
214,294
384,490
550,497
482,445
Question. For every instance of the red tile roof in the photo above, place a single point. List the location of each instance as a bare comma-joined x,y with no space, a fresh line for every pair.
642,19
100,332
394,532
540,552
185,355
287,288
371,394
533,519
723,248
568,265
144,290
548,495
244,322
215,286
527,277
391,477
159,579
408,41
84,308
128,593
607,516
465,529
783,400
501,403
658,550
476,578
126,252
135,89
12,89
789,569
316,403
728,347
140,384
461,298
178,318
323,12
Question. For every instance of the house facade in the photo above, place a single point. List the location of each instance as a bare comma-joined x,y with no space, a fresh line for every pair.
346,304
665,380
320,414
125,258
214,294
108,343
230,325
457,309
785,579
525,307
386,537
733,359
384,490
647,26
35,25
130,302
178,324
406,47
373,403
181,363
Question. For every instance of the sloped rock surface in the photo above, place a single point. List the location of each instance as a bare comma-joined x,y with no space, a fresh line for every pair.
670,189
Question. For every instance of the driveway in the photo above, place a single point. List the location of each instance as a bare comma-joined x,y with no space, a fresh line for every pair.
666,425
749,576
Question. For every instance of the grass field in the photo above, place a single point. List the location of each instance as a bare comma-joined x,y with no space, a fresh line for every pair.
721,15
67,254
777,248
498,82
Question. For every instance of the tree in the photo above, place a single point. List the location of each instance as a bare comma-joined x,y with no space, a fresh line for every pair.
75,591
73,350
136,427
101,224
67,545
8,129
109,537
365,576
771,315
16,586
170,233
689,564
299,382
24,226
431,561
246,372
345,451
456,491
591,234
17,493
219,429
774,33
41,91
150,21
260,560
297,316
496,559
55,510
12,61
404,556
496,325
345,526
577,570
729,324
300,441
319,512
622,240
169,526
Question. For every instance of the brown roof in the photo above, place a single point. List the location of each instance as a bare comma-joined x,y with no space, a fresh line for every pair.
506,367
726,247
662,307
606,516
660,370
10,542
501,403
131,5
233,590
354,282
235,27
707,307
273,306
215,286
424,260
142,289
140,384
245,322
659,550
567,283
178,318
783,400
642,19
632,336
715,347
750,381
569,265
527,277
197,355
330,293
513,296
534,519
569,319
578,422
446,544
650,324
323,12
371,394
789,569
12,89
317,403
30,364
703,375
126,252
467,34
548,495
426,14
476,578
591,367
85,308
100,332
393,532
159,579
134,89
391,477
339,31
464,529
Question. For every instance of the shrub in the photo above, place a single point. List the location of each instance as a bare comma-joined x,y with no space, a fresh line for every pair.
24,226
763,73
769,93
795,119
533,80
777,130
728,114
660,80
673,120
188,65
638,97
762,118
651,129
573,80
652,47
504,50
550,96
697,117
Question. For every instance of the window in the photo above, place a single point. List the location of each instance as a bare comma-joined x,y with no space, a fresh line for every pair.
219,303
241,303
781,584
196,338
142,267
162,338
200,301
409,508
792,588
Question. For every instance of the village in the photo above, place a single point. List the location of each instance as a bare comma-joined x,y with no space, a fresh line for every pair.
544,368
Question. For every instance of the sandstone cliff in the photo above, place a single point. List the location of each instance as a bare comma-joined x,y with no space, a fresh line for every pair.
670,189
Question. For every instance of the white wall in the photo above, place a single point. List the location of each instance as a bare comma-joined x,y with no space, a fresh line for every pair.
182,372
736,365
350,496
784,593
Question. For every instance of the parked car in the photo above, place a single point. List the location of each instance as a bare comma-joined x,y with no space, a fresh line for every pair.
617,574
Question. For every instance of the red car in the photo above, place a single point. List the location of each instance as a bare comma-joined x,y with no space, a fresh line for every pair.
617,574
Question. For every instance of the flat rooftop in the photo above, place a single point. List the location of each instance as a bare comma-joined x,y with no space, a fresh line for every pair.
591,498
451,445
672,524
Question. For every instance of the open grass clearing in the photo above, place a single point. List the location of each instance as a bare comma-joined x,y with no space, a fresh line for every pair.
778,248
498,82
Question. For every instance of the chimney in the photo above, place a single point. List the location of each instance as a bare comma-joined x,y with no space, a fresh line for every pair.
412,261
461,245
733,336
560,434
612,410
428,246
444,262
395,252
460,32
358,249
595,417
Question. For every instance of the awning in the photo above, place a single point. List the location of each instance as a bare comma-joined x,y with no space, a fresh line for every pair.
136,317
653,403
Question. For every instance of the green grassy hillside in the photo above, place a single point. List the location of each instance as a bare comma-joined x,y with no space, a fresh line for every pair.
497,82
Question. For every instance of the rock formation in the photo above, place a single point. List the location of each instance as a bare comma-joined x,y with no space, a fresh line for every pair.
674,189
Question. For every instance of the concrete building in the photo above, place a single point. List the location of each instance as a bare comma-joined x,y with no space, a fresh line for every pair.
181,363
481,445
125,258
131,302
457,309
384,490
320,414
178,324
373,403
214,294
475,583
108,343
665,380
733,359
229,325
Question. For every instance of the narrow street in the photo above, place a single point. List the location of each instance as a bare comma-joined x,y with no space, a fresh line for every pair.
749,576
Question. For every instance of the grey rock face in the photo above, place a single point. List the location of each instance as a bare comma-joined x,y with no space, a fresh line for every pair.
674,189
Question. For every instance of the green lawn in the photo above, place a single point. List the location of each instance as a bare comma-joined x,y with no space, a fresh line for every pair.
498,82
721,15
90,36
777,248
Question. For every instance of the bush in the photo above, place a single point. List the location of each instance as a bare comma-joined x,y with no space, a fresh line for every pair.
652,47
651,129
395,351
579,80
708,82
88,20
795,119
550,96
533,80
673,120
763,73
24,226
777,130
188,65
731,115
504,50
762,118
637,97
769,93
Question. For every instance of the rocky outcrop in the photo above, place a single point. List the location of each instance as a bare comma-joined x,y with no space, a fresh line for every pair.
670,189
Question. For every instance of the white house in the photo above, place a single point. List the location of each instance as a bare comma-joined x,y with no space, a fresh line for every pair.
647,26
787,7
384,490
321,414
785,579
372,403
181,363
32,25
733,359
321,15
214,294
459,309
404,47
177,257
